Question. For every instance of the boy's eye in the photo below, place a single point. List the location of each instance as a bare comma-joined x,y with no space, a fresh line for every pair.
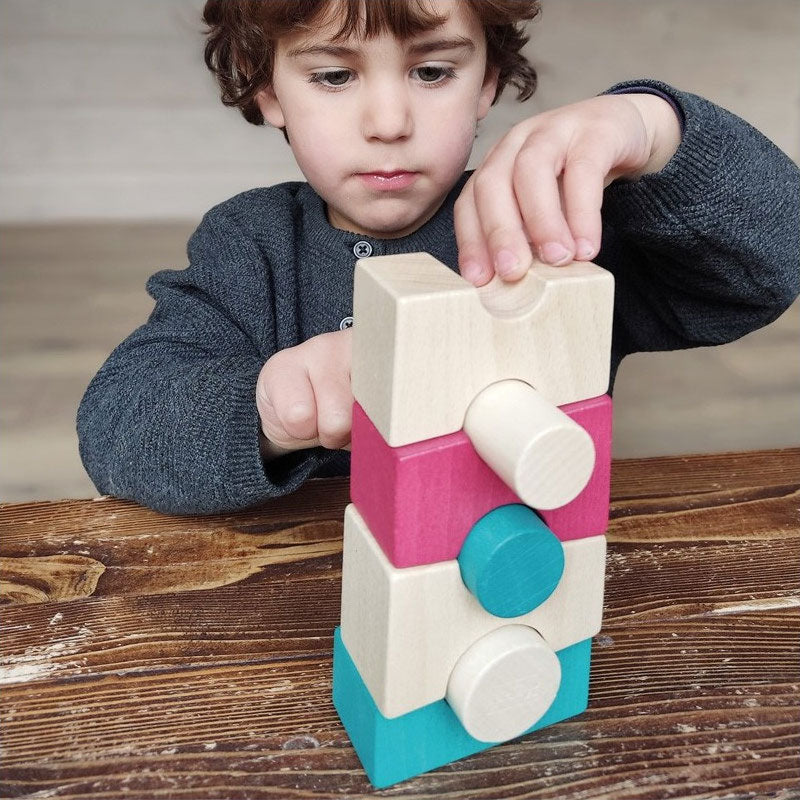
433,74
338,78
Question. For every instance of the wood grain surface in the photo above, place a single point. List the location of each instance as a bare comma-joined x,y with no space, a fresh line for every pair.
154,656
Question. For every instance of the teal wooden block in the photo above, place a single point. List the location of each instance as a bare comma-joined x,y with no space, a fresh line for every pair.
393,750
511,561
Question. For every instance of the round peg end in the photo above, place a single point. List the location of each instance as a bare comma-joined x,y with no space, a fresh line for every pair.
504,683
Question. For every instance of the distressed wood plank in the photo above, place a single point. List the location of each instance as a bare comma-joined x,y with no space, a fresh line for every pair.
139,551
280,606
199,664
25,527
666,476
711,710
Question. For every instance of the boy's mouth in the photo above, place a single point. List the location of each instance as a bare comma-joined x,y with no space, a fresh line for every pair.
397,179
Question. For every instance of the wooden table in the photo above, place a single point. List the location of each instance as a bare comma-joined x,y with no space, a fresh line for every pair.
162,657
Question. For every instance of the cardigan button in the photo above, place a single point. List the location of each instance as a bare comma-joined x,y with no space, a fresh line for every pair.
362,249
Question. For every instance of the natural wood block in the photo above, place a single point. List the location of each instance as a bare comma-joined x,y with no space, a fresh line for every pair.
545,457
503,683
420,500
406,628
426,341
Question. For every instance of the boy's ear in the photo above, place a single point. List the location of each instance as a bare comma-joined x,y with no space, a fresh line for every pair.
270,107
488,90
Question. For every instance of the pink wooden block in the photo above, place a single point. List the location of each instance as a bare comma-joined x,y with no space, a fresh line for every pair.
421,500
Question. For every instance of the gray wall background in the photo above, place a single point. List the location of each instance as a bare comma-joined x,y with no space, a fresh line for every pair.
108,111
113,143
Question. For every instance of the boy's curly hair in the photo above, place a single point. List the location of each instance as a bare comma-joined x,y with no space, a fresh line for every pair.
242,34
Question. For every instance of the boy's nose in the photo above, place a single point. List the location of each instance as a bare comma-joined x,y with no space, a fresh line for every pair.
387,113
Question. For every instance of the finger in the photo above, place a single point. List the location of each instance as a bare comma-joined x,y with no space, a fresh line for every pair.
537,187
497,209
473,255
270,424
276,439
289,390
334,400
582,184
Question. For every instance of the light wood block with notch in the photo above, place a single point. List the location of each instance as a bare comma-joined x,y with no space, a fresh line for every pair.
428,341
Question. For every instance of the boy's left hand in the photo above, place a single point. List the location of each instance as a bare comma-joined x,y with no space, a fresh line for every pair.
539,190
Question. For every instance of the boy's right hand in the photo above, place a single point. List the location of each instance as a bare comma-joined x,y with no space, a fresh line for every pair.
303,395
540,188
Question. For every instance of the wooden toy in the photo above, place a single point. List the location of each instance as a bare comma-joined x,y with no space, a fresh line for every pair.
511,561
421,499
534,447
405,628
474,554
503,683
430,341
392,750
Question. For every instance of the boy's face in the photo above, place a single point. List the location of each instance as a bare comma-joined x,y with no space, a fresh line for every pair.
386,106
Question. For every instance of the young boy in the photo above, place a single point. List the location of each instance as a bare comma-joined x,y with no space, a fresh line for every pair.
237,389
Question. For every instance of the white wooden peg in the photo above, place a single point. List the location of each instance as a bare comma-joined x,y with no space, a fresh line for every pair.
503,683
545,457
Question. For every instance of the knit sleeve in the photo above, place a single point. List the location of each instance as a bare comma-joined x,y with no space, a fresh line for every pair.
707,249
170,420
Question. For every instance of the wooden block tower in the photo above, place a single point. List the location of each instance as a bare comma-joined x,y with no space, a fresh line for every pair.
474,546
